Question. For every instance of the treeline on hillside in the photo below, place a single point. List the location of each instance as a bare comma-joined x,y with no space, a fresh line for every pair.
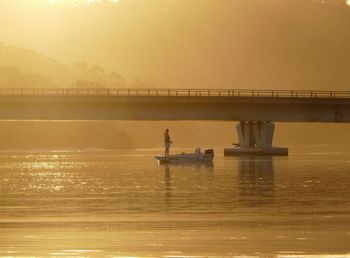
284,44
21,68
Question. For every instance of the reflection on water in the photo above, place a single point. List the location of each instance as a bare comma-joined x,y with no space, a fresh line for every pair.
122,203
167,182
207,168
256,180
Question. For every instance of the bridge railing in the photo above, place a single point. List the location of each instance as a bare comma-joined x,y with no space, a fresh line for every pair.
172,92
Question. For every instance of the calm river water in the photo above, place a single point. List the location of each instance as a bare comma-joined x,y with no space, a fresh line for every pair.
122,203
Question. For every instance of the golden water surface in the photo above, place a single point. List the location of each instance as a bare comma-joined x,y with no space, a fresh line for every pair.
122,203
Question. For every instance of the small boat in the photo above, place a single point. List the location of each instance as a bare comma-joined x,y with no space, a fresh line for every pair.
196,157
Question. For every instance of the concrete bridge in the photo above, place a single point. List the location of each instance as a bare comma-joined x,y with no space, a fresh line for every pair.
256,109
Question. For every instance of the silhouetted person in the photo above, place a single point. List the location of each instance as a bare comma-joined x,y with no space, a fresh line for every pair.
167,142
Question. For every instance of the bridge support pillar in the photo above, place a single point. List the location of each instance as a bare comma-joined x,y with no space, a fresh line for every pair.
255,138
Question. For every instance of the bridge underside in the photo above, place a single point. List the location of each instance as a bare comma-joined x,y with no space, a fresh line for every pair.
174,108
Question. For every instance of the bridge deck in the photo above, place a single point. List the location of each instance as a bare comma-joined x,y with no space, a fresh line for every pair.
175,104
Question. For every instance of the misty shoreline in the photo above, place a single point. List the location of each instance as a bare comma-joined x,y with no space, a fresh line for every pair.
218,148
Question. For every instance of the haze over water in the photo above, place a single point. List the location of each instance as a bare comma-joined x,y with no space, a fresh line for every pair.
102,203
122,203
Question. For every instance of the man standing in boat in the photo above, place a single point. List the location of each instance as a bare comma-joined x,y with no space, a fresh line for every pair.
167,142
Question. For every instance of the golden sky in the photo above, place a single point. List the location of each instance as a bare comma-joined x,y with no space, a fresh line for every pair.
191,43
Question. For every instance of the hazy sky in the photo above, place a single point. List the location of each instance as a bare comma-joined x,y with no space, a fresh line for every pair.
192,43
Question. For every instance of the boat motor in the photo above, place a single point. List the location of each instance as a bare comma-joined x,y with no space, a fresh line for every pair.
209,152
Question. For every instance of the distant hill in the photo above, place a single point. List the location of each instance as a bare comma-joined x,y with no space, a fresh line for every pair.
21,67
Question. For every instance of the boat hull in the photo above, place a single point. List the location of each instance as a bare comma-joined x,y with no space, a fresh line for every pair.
185,158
